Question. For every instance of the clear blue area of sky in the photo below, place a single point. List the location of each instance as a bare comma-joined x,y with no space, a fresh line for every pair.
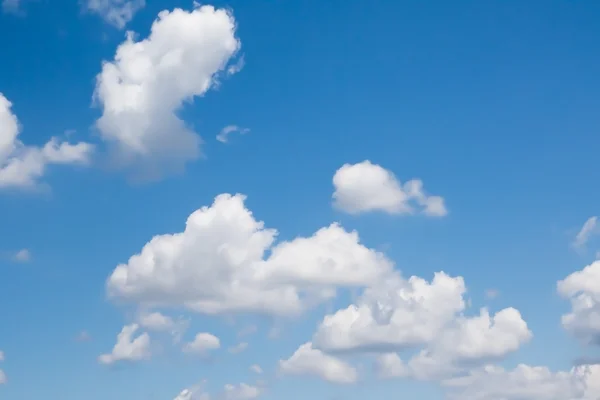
493,104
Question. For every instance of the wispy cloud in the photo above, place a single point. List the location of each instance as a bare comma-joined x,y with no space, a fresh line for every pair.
223,136
589,228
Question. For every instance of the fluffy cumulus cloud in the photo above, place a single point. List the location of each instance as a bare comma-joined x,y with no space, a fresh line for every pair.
414,314
582,288
203,343
218,264
22,166
143,88
526,383
313,362
115,12
365,187
128,347
241,391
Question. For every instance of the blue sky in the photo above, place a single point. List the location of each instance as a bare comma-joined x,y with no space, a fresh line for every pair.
491,105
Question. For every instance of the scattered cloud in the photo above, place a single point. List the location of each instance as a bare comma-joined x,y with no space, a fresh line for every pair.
256,369
248,330
23,166
588,229
313,362
582,288
492,293
202,344
83,336
366,187
22,256
218,265
127,347
115,12
237,66
238,348
223,136
3,379
240,391
143,88
11,6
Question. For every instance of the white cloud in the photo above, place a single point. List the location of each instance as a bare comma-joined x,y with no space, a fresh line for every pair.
313,362
241,391
83,336
202,344
588,229
526,383
256,369
223,136
11,6
1,356
415,314
366,187
127,347
238,348
22,256
115,12
148,82
217,265
3,379
582,288
23,166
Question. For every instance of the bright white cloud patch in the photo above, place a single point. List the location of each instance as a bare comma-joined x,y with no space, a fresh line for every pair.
148,82
217,264
127,347
22,166
202,344
223,136
582,288
526,383
588,229
365,187
313,362
115,12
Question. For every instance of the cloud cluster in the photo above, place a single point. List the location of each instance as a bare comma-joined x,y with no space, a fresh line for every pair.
23,166
218,265
148,82
366,187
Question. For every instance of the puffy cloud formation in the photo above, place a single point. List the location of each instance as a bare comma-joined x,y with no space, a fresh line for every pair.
127,347
526,383
582,288
313,362
218,264
365,187
223,136
115,12
22,166
400,315
202,343
148,81
588,229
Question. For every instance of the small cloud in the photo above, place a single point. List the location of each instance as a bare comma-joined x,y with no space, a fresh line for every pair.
237,67
238,348
12,7
249,330
223,136
83,336
256,369
589,228
22,256
492,293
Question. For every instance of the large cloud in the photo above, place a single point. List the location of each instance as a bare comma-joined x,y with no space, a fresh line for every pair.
219,264
365,187
526,383
23,166
148,81
583,289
